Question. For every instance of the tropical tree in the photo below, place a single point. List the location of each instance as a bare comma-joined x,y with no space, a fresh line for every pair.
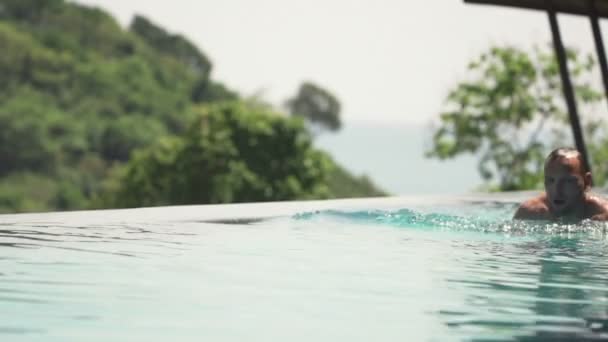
318,106
510,112
231,153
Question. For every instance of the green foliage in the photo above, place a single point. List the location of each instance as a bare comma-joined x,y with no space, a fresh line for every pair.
78,95
127,133
596,135
68,27
82,58
510,111
172,45
209,91
317,105
35,136
21,192
231,153
27,9
28,191
76,88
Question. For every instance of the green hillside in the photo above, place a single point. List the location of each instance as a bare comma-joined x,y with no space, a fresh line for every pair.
79,94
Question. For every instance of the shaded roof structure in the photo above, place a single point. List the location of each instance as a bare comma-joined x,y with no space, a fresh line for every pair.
593,9
579,7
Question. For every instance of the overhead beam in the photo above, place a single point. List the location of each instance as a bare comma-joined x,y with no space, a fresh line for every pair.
577,7
599,43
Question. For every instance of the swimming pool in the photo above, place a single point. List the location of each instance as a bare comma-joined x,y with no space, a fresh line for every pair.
407,269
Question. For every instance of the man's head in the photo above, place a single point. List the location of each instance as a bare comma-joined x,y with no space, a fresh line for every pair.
566,180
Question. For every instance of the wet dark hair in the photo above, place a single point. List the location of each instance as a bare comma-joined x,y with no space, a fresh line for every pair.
567,152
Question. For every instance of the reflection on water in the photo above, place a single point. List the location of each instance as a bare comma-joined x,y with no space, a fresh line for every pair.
462,273
550,289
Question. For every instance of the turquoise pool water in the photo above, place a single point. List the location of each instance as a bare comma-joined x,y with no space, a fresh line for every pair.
438,273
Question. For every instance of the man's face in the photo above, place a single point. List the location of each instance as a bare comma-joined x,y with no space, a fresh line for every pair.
564,184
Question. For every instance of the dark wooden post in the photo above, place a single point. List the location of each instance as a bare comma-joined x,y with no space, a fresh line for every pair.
567,86
599,44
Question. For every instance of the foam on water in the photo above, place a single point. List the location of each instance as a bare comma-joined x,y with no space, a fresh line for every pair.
407,218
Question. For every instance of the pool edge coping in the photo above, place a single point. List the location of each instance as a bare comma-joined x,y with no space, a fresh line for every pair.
235,212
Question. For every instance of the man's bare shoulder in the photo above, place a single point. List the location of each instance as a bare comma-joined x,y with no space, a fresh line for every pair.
533,209
598,207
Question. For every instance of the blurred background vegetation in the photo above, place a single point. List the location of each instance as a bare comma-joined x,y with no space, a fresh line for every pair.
510,112
96,116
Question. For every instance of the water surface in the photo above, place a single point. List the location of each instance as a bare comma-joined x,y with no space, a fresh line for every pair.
450,273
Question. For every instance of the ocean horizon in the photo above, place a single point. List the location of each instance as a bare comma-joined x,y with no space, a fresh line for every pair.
392,156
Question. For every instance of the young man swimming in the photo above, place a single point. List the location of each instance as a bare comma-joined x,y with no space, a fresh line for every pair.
566,196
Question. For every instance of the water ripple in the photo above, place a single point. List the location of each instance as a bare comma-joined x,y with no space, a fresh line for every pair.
335,275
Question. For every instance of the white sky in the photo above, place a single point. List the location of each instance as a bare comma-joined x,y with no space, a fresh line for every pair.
386,60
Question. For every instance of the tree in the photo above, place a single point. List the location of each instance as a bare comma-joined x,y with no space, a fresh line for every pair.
173,45
35,136
230,154
27,9
318,106
510,111
205,90
127,133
